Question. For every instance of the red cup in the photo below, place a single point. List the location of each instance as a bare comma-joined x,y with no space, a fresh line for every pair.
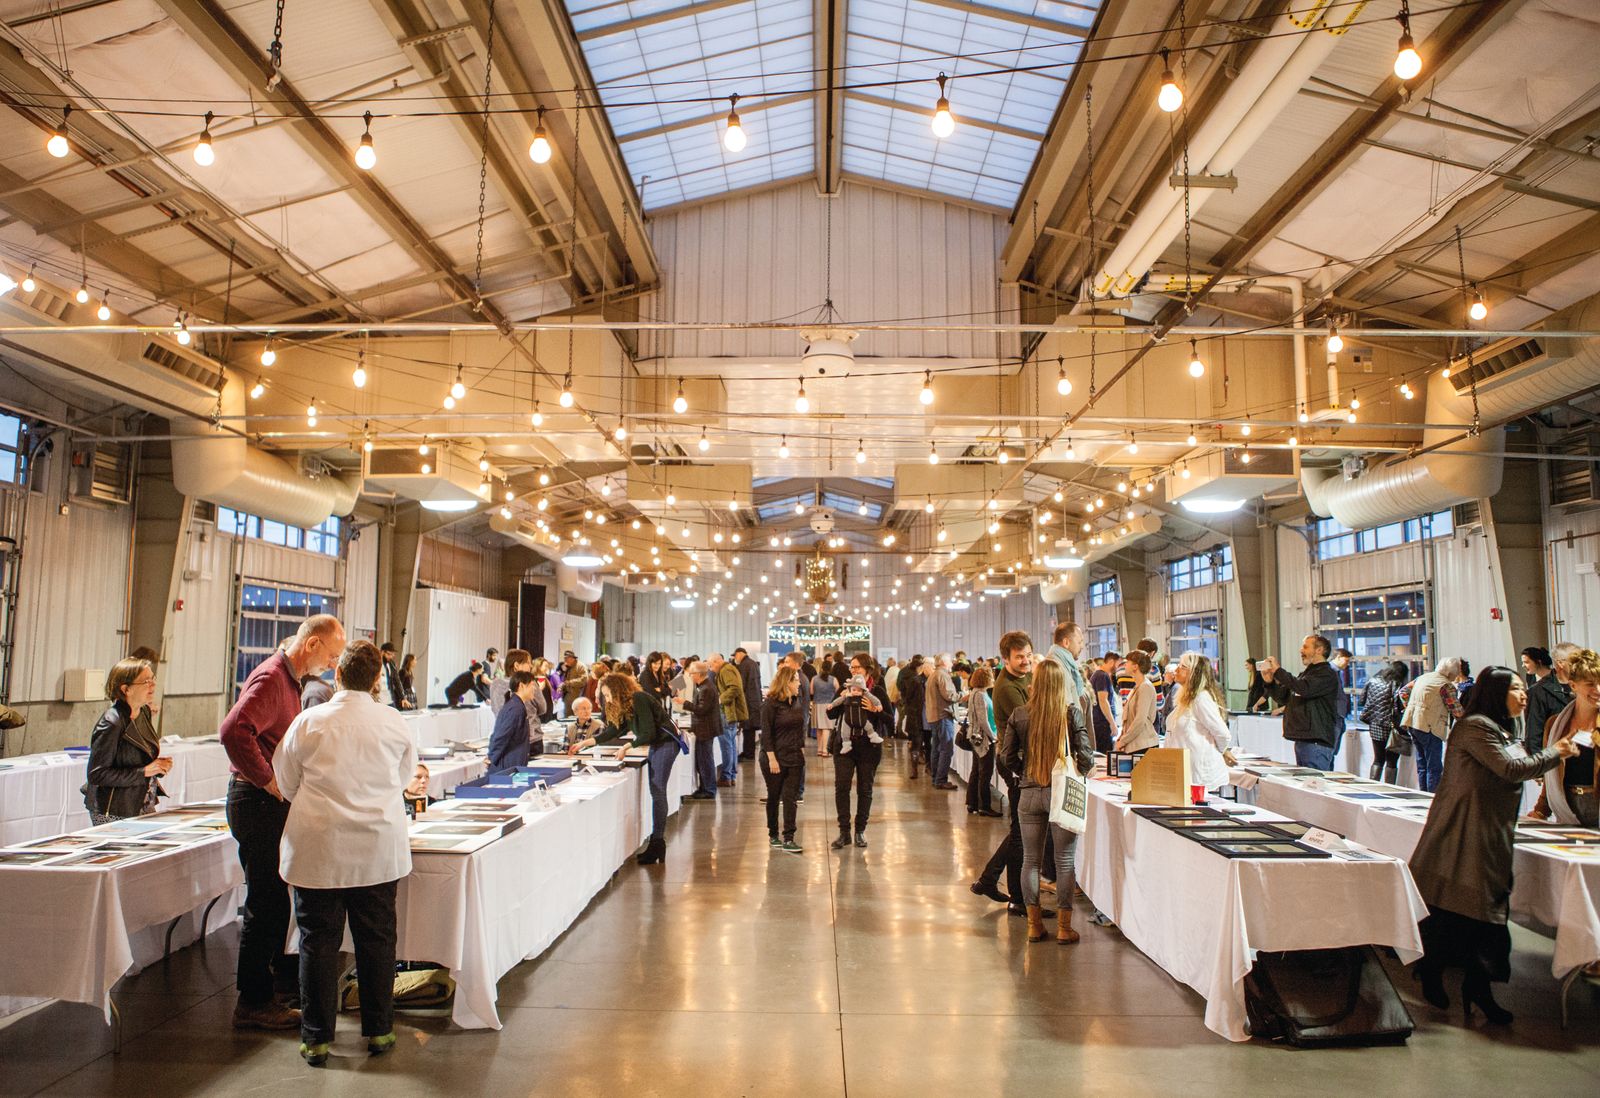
1197,794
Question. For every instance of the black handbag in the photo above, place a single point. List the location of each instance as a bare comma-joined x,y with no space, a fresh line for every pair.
1317,998
961,736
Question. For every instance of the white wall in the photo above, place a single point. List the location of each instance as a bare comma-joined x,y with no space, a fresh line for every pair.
1572,576
569,632
449,630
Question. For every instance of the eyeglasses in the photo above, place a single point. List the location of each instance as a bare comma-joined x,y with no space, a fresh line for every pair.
151,681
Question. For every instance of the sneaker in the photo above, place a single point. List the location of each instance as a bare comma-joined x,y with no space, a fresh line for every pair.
377,1046
773,840
270,1015
1100,918
789,846
315,1055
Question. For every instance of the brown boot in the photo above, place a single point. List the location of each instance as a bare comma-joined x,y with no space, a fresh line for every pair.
1065,935
1035,923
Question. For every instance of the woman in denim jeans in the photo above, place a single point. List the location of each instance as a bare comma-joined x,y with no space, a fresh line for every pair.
1430,707
1036,739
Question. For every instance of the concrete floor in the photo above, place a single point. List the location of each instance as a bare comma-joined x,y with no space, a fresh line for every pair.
734,970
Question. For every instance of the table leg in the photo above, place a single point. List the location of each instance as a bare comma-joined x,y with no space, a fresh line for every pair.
166,949
1566,986
205,920
116,1025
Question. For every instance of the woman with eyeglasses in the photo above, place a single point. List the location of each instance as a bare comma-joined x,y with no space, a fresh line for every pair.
125,763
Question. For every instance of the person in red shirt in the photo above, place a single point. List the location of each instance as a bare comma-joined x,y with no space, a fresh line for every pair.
267,704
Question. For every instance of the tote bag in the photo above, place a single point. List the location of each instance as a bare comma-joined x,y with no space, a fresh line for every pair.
1069,797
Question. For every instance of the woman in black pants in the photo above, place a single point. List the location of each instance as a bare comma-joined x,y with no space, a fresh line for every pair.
862,720
631,709
981,735
783,750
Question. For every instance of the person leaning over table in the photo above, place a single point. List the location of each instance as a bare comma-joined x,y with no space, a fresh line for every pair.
783,752
1139,712
1197,722
1462,863
125,761
511,744
629,709
705,725
1037,737
267,704
1547,696
344,768
1310,719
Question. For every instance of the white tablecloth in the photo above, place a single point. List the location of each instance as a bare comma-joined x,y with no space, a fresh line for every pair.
1549,894
437,727
445,774
70,933
1202,916
481,914
1260,735
199,772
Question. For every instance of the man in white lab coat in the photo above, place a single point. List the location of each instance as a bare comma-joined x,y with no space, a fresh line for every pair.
343,768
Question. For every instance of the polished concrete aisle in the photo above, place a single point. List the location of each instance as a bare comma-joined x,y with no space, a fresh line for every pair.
737,970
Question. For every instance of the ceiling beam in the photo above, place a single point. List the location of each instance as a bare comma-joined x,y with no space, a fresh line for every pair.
655,18
1026,19
829,19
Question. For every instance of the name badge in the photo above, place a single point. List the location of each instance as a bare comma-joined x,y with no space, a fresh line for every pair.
1584,739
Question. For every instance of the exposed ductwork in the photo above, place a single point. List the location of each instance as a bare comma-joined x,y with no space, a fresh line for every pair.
1511,383
1075,581
583,586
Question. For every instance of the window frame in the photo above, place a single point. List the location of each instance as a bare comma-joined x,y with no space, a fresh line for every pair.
326,539
1332,540
1104,592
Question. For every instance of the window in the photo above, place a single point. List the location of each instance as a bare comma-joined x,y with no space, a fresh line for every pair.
1337,540
13,452
1102,639
1196,633
1201,569
1377,627
1104,592
268,616
323,539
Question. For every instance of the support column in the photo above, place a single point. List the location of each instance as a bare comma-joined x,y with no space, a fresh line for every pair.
1514,526
1133,585
400,552
1250,553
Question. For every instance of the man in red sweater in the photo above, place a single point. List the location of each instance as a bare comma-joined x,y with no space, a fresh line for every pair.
267,704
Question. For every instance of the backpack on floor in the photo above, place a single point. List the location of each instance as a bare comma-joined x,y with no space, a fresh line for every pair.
1318,998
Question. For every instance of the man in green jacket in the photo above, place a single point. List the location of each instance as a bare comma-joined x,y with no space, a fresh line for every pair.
735,711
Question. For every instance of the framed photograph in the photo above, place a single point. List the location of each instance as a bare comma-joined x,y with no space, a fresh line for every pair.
1157,812
26,857
1235,835
1281,848
1292,828
61,843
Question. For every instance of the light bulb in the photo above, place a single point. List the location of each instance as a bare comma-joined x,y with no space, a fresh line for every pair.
1184,472
268,355
366,155
311,409
1479,309
459,388
1335,341
1170,97
184,337
257,389
1407,62
733,505
422,448
544,478
426,468
539,150
733,138
537,418
104,311
783,447
1003,456
704,443
1244,457
483,465
28,284
1063,384
1294,440
82,294
204,154
366,445
1304,416
1192,440
57,146
680,403
1244,429
566,392
1197,368
933,455
358,377
802,405
926,396
621,433
1058,497
449,402
944,123
1133,445
1355,403
861,452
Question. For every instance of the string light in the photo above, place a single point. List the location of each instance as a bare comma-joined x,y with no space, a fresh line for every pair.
1063,383
1170,97
1197,368
944,123
1479,309
733,138
1335,340
358,376
680,403
28,284
926,396
1003,456
621,433
257,389
672,499
268,355
1192,440
1133,445
933,455
422,447
366,155
861,451
705,443
1294,441
801,404
204,154
1245,428
81,296
733,505
566,390
459,388
1407,61
783,446
537,418
311,413
1072,453
1244,456
58,145
539,150
181,331
104,311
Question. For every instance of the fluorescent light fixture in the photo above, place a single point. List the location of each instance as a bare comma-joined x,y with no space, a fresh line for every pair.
681,604
957,604
449,504
582,558
1061,560
1211,506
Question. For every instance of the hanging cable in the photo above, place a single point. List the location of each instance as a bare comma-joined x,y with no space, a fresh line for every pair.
275,51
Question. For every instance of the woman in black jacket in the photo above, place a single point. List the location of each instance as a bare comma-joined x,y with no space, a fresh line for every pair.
783,748
125,763
1381,709
630,708
862,721
656,679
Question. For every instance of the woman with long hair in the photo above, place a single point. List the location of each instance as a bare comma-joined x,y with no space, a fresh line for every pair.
1462,863
783,752
1380,708
1139,711
628,708
1196,722
408,678
981,735
1036,739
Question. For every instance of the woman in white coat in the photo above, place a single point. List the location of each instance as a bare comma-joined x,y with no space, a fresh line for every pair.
1139,711
1197,722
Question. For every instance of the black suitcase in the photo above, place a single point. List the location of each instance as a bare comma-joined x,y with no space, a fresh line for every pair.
1319,998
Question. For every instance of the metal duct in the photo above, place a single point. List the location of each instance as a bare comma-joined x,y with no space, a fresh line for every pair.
1076,581
569,581
1433,481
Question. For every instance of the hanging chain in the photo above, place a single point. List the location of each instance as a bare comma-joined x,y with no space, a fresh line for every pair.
1088,187
827,275
1183,125
483,160
275,51
1466,301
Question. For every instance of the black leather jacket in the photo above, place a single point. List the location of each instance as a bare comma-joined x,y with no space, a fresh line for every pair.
117,781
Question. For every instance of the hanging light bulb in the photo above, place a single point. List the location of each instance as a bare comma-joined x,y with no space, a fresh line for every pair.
1294,440
449,402
1479,309
483,466
566,391
1335,340
705,443
1304,416
81,296
926,396
861,451
28,284
426,468
537,418
104,311
539,150
1170,97
204,154
358,376
1245,428
928,507
458,389
1192,440
268,355
801,404
366,155
1355,403
1244,456
422,447
181,331
257,389
733,505
1133,445
311,413
1197,368
1407,61
933,455
1063,383
1072,452
1003,456
58,146
944,123
733,138
544,478
680,403
783,446
1184,472
621,433
366,444
1058,497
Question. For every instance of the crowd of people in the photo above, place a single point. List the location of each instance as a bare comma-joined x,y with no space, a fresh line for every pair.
322,777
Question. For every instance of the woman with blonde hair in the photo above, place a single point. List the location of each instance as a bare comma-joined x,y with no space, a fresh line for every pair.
125,763
1569,793
1035,742
1196,722
628,708
783,748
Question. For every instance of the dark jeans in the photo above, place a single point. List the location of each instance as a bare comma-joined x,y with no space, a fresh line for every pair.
942,733
860,765
980,785
705,763
1008,855
662,756
1314,755
256,819
785,785
1430,758
321,913
749,728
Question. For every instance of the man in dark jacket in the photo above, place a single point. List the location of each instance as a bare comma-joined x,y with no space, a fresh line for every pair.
1310,719
750,675
1547,696
914,696
705,725
511,745
1010,691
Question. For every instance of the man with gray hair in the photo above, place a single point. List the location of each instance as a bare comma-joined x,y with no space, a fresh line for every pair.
938,711
1430,700
267,704
738,709
705,725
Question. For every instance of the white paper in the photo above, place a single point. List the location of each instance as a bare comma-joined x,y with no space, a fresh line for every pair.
1324,840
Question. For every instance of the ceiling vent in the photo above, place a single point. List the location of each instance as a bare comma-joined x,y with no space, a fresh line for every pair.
190,367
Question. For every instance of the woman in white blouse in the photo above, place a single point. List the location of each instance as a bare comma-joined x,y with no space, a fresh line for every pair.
1197,722
1139,711
343,767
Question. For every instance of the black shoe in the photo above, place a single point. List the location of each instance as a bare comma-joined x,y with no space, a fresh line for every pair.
861,839
1016,911
1433,987
989,812
701,796
1481,997
991,891
841,842
655,851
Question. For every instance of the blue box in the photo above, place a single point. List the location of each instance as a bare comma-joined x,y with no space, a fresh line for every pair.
513,783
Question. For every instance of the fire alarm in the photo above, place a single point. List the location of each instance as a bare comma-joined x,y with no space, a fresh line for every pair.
178,605
1494,613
